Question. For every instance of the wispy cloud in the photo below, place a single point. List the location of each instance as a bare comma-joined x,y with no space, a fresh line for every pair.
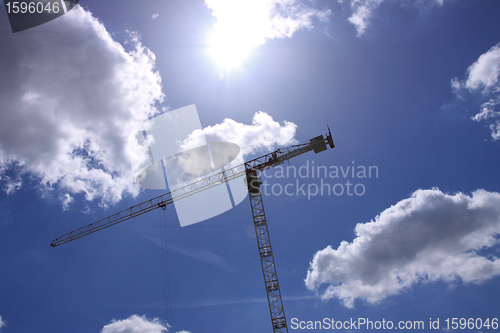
66,201
2,322
221,302
204,255
362,11
483,79
430,236
195,253
69,99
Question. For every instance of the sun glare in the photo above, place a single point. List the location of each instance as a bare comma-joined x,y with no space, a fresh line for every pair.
240,27
228,50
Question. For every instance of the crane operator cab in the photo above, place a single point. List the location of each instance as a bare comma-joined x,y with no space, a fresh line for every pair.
253,183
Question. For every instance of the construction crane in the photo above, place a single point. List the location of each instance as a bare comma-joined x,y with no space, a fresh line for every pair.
251,170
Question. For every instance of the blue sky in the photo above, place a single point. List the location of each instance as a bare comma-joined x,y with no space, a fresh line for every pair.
411,88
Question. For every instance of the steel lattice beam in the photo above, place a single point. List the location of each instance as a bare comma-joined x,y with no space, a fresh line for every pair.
266,253
155,203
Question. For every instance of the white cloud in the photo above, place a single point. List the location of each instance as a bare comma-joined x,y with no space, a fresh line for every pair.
136,324
70,95
363,11
10,184
495,130
2,322
430,236
488,110
483,79
263,133
66,201
484,73
155,15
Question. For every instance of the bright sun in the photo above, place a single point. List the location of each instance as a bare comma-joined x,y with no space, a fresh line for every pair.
228,49
243,25
240,26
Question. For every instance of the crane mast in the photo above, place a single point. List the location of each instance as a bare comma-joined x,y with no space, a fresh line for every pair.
249,169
